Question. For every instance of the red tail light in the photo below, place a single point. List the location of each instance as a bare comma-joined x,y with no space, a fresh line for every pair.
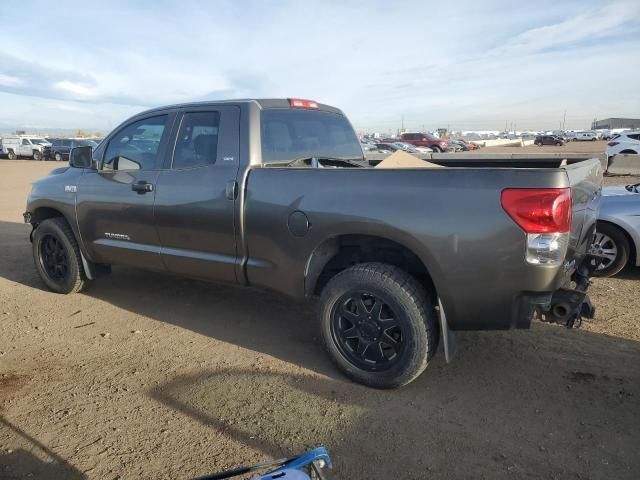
539,210
613,144
300,103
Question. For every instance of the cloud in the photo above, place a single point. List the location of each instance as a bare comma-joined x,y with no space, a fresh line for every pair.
79,90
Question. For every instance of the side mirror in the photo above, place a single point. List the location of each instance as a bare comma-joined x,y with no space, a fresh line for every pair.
81,157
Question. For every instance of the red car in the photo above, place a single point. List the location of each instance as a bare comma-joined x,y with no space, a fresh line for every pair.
425,140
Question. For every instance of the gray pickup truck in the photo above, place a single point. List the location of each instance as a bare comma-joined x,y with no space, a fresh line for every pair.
277,194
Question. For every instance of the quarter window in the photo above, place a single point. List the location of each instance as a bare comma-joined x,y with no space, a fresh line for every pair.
197,142
136,146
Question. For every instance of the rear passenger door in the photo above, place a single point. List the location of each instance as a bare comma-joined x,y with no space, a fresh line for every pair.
196,196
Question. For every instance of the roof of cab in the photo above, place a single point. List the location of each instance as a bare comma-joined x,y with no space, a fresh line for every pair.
262,103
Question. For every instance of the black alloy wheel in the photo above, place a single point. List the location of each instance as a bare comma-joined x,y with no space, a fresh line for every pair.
54,260
366,331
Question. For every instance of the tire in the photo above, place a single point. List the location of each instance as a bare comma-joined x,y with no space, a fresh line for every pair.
539,144
58,157
12,155
558,144
593,139
436,149
610,238
57,256
37,155
391,350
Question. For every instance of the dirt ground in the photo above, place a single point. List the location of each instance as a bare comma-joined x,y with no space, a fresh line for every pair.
151,376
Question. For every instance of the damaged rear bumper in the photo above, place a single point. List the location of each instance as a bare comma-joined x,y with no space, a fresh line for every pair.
569,306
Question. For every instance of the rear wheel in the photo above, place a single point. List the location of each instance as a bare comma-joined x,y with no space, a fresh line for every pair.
57,256
378,325
12,155
612,245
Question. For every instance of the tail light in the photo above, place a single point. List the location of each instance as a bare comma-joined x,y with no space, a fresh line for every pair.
544,214
300,103
613,144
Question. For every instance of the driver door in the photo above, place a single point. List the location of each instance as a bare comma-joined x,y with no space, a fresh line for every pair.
115,203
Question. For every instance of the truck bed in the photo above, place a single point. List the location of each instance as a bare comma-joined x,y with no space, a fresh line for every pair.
451,218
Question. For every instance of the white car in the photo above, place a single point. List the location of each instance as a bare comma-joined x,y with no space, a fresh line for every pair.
586,136
26,146
617,238
625,142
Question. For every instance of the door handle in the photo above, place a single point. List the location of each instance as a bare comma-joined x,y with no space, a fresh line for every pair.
142,187
231,190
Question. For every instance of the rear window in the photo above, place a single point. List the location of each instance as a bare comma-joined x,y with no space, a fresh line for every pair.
289,134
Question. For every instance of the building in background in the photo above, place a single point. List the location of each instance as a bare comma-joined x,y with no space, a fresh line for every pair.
611,123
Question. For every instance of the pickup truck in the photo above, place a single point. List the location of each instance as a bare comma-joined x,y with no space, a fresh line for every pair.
26,146
277,194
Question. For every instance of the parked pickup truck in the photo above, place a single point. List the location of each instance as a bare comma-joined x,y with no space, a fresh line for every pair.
276,194
26,146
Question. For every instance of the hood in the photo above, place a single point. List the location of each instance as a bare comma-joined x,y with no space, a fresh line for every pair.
616,190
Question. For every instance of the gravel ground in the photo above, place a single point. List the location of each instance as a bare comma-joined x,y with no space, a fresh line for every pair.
151,376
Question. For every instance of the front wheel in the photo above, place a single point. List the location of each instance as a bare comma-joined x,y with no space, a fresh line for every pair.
436,149
58,157
378,325
57,256
611,244
37,155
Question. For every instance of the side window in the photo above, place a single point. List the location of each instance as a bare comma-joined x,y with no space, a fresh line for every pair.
25,141
68,143
135,147
197,141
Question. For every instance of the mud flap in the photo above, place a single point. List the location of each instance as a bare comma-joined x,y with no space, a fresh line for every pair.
447,335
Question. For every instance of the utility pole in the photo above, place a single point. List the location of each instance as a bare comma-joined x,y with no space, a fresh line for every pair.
564,119
402,123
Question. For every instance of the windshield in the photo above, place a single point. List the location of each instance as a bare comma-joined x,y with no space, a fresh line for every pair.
86,143
38,141
289,134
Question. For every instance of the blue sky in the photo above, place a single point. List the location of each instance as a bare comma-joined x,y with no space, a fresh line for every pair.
462,64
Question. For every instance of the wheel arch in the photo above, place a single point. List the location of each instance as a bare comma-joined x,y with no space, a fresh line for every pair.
340,252
42,213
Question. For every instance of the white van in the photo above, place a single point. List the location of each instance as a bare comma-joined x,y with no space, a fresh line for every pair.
586,136
15,146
